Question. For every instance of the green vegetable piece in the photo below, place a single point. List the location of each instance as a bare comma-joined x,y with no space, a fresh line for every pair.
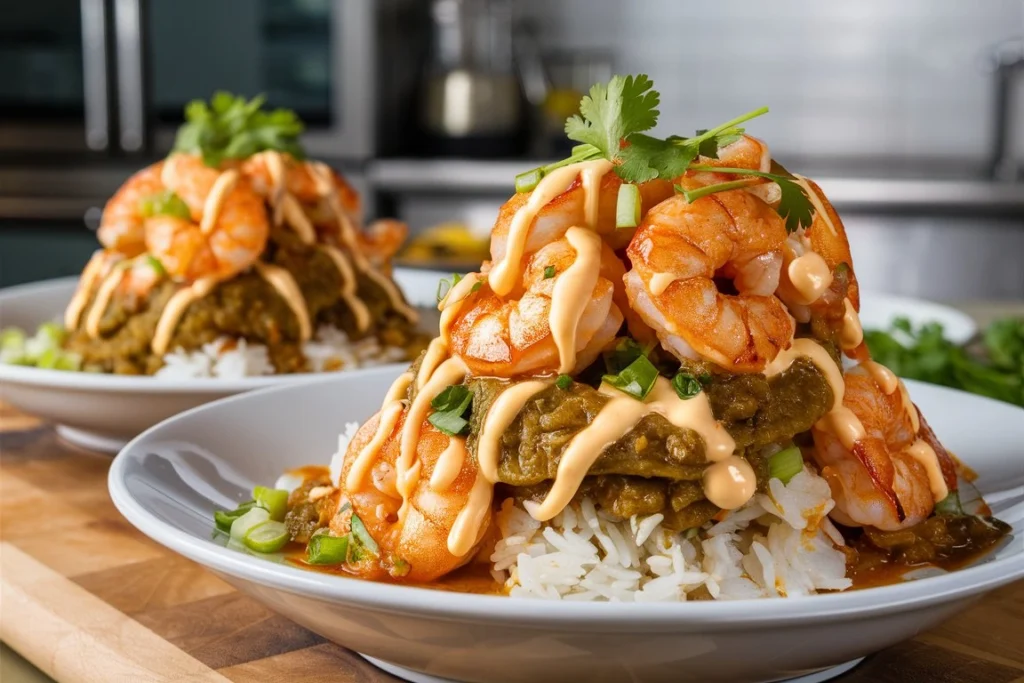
637,379
267,537
950,505
451,424
400,568
48,359
627,207
621,355
786,464
225,518
444,286
231,127
687,386
155,264
453,398
794,204
526,181
274,501
165,203
362,536
325,550
563,382
12,338
549,272
250,518
53,333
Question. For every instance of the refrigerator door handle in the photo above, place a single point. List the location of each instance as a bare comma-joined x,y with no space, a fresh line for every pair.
94,74
131,101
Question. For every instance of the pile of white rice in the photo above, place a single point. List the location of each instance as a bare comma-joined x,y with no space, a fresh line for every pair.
329,350
780,544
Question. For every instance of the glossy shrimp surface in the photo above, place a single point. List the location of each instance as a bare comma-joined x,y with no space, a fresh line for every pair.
509,336
229,244
413,546
122,227
681,252
878,482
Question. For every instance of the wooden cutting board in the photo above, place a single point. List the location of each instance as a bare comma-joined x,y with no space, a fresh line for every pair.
87,598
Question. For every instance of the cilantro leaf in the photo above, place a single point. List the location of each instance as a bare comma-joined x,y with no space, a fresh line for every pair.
795,206
231,127
636,379
450,407
612,112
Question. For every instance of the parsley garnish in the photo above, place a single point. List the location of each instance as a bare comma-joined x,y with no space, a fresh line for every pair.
231,127
549,272
450,407
636,379
612,123
563,382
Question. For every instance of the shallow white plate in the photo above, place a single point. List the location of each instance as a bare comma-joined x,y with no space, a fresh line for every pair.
878,310
168,481
103,412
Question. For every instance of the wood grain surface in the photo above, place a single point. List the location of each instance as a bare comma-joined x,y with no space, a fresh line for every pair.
87,598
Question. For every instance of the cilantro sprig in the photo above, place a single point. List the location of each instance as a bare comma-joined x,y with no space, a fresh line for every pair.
231,127
613,123
450,407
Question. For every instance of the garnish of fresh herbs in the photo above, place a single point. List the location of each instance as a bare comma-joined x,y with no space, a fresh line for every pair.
231,127
611,125
450,408
992,366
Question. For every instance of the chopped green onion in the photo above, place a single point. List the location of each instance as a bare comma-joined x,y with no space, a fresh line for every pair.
622,354
636,379
12,338
691,532
687,386
444,286
266,537
549,272
563,382
950,505
327,550
224,518
274,501
476,287
525,182
165,203
449,407
627,207
400,568
362,536
155,264
253,516
786,464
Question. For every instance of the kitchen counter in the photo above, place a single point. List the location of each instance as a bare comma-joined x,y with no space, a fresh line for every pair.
979,645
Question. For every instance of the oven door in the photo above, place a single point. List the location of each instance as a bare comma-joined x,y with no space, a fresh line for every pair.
53,88
313,56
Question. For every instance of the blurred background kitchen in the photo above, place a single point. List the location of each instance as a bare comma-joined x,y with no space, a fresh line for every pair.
910,114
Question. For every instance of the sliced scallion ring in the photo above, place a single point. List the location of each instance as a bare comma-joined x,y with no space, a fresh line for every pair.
266,537
274,501
627,208
786,464
241,526
327,550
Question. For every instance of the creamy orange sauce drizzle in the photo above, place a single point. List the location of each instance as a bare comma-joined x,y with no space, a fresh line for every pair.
505,274
214,203
90,276
324,178
908,405
470,520
810,277
453,301
660,282
571,294
883,376
348,287
922,452
176,308
389,416
851,334
292,213
449,464
501,414
819,208
103,296
400,387
286,207
729,483
437,352
282,281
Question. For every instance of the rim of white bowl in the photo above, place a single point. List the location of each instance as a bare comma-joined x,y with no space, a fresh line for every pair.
962,583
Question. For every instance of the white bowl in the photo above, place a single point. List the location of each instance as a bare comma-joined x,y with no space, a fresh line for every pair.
168,481
878,310
102,411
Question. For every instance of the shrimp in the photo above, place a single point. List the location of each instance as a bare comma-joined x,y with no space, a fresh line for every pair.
413,546
878,482
122,225
567,210
509,336
274,174
381,240
228,228
679,251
